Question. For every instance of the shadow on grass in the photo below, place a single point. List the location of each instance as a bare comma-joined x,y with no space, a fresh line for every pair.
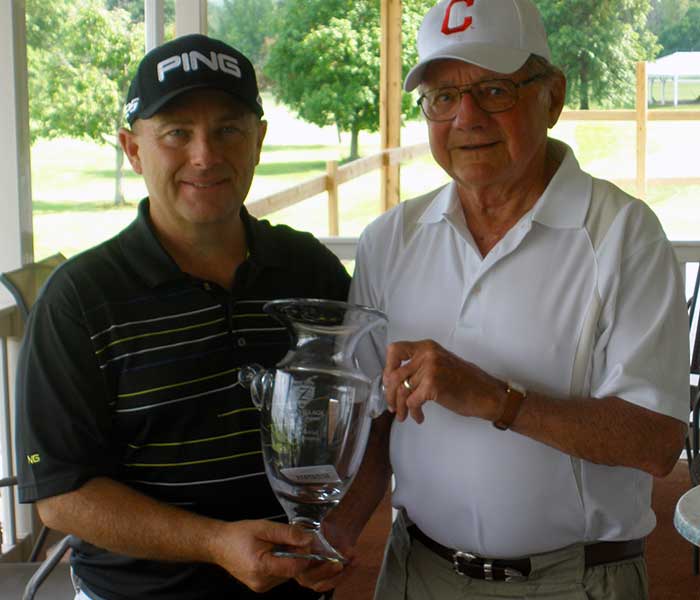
42,206
290,168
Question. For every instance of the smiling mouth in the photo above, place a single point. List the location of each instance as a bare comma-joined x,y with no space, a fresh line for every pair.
200,185
477,146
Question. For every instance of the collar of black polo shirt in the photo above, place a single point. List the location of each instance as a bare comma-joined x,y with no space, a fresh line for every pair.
151,261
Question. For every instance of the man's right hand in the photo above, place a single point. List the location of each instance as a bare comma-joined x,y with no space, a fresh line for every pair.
244,549
113,516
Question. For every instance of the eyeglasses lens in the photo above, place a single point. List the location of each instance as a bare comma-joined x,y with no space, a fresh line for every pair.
492,96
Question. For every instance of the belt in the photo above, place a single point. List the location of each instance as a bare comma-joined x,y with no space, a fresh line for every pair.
478,567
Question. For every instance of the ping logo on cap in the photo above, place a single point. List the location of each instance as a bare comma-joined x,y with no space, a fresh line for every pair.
466,23
131,107
193,60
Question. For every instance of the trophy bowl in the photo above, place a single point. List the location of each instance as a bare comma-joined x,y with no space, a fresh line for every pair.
316,409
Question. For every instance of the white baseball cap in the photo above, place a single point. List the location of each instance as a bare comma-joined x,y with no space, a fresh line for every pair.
498,35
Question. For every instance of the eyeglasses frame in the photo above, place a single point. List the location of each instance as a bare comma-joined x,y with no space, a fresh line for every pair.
467,89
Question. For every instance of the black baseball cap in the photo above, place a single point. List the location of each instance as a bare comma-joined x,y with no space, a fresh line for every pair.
187,63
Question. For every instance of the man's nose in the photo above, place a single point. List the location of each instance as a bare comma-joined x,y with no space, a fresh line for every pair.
469,112
204,151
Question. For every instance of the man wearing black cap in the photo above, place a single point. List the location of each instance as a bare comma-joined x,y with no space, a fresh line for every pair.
143,444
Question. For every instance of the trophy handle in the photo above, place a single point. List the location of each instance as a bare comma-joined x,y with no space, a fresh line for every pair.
256,379
377,399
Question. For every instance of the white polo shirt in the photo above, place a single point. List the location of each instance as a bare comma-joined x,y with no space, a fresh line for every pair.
518,313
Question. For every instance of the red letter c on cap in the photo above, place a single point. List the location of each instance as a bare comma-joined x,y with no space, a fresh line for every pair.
446,29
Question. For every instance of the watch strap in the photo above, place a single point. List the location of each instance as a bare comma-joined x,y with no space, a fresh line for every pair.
515,394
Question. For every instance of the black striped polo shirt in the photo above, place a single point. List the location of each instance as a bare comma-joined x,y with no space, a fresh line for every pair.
129,369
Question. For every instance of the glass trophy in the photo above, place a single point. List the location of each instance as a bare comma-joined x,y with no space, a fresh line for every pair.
316,408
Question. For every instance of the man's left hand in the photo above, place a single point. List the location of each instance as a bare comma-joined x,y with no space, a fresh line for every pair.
323,576
435,374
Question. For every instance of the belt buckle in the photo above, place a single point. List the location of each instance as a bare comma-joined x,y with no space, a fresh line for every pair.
458,555
486,566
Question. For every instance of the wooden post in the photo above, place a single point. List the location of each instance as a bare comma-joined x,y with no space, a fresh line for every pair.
16,230
390,99
642,119
190,17
154,23
332,187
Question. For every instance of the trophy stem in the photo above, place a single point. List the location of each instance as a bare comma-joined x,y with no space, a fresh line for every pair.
320,549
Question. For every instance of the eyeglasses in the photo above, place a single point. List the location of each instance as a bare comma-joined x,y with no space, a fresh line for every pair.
492,96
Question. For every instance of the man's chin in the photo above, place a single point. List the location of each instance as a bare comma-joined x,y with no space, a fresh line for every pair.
210,212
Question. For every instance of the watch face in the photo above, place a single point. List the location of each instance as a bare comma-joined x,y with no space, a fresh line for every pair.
516,387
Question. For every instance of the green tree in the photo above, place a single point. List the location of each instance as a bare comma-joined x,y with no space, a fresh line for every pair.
597,44
324,63
684,34
136,9
248,25
81,58
666,13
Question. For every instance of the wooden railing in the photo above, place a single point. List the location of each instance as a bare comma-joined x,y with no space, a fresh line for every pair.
330,182
337,175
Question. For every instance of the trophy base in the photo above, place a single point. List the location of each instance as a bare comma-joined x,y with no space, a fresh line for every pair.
337,558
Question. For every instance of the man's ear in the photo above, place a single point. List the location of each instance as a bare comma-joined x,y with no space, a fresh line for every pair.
557,97
130,144
262,130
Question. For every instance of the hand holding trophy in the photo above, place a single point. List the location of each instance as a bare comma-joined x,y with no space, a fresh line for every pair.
316,409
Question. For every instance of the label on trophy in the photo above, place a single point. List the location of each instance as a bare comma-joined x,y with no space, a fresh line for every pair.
313,474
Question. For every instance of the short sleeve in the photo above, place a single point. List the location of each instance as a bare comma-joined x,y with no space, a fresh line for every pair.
642,353
63,412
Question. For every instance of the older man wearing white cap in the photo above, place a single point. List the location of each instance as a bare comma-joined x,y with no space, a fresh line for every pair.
536,368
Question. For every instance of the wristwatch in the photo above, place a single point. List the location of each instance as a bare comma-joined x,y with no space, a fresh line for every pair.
515,394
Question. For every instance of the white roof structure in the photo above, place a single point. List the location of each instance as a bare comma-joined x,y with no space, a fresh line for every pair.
673,67
678,64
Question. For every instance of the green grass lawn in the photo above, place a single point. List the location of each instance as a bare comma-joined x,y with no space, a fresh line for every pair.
73,185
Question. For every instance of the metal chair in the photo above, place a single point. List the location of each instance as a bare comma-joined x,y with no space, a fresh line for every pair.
692,447
38,580
691,444
25,283
33,579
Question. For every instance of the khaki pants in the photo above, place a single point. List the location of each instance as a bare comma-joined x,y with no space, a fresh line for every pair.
412,572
